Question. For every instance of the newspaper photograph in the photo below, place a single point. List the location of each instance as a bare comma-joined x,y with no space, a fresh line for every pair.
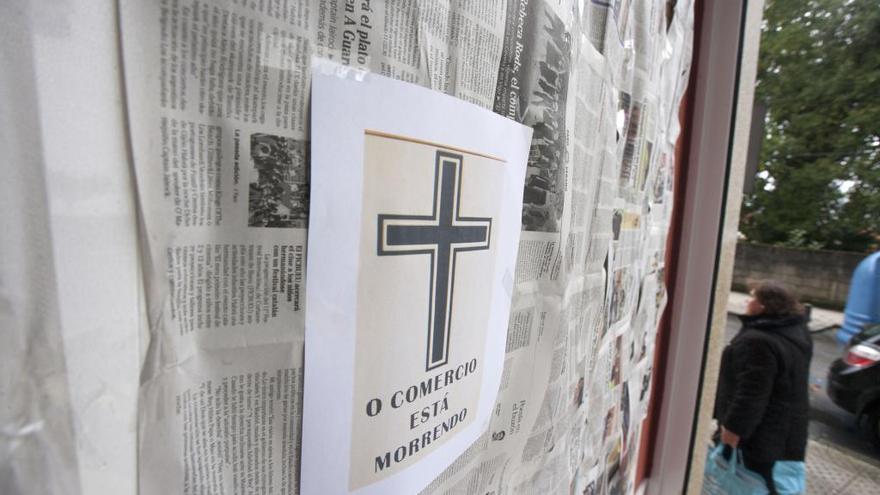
532,88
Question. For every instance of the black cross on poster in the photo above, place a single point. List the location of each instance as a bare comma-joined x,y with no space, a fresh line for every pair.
441,235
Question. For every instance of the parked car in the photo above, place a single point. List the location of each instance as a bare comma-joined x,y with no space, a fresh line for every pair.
854,379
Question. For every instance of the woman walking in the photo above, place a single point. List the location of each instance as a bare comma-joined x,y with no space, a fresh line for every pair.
762,404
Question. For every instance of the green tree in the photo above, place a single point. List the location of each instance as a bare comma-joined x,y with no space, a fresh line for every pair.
818,183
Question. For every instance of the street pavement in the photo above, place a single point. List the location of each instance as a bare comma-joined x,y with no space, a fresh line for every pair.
840,456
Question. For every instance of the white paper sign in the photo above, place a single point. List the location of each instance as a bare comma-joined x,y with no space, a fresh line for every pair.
416,201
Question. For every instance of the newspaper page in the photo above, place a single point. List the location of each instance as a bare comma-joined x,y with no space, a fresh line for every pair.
218,96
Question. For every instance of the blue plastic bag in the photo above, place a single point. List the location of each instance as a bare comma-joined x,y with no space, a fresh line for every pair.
730,477
790,477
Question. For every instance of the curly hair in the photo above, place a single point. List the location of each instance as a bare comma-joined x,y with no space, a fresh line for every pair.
776,299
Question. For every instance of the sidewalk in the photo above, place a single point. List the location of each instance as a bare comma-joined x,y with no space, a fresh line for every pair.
830,470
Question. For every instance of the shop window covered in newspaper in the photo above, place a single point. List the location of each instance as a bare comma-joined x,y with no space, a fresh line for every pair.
218,100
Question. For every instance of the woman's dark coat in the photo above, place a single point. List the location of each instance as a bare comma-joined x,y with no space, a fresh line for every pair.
763,387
